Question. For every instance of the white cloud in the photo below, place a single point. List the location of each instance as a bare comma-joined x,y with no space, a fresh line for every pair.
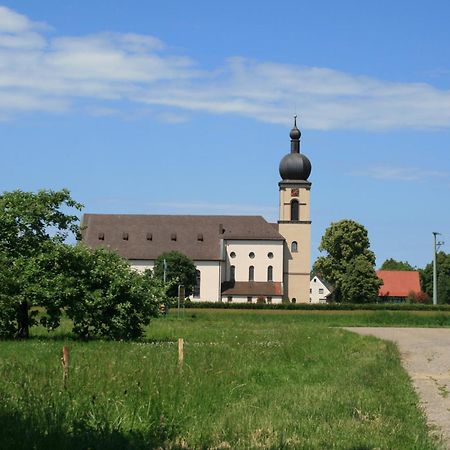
53,74
400,173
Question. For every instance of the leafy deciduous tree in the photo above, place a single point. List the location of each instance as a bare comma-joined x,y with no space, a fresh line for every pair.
443,277
29,224
392,264
349,263
179,270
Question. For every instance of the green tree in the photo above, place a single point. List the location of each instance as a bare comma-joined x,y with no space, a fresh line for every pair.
392,264
443,278
105,297
30,224
349,261
179,270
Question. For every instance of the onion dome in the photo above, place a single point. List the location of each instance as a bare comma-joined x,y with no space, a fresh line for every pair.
295,166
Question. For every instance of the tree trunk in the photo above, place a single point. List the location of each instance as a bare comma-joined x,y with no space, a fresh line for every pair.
23,321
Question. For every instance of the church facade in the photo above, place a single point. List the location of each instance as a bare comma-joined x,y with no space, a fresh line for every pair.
238,258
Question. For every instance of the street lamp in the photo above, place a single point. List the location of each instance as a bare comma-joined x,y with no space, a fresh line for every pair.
436,246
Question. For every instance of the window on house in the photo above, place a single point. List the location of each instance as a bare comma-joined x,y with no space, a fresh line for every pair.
294,210
232,255
230,299
269,299
320,291
197,284
251,255
270,255
270,273
294,247
310,291
251,273
249,299
294,300
232,273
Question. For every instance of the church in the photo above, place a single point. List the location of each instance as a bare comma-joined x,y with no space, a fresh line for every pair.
238,258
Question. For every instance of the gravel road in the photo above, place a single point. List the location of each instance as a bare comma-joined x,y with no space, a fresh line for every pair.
426,356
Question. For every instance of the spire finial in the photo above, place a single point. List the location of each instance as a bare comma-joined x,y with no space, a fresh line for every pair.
295,120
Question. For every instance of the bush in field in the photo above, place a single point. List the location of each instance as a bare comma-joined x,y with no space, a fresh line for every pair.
418,297
108,298
97,289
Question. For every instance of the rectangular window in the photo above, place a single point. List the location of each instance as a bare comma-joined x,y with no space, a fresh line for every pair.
230,299
269,299
320,291
249,299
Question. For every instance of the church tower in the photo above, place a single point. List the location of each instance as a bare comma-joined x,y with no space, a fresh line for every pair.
294,222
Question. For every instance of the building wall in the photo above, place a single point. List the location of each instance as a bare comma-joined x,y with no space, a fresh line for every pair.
318,291
244,299
210,279
297,265
261,261
141,264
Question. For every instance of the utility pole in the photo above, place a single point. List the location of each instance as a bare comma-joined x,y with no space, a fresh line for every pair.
165,270
436,246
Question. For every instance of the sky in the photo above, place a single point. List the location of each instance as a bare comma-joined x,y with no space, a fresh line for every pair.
185,108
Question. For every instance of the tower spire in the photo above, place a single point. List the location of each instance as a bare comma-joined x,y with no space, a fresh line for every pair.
295,137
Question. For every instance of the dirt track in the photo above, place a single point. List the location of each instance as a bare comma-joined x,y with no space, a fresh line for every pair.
426,356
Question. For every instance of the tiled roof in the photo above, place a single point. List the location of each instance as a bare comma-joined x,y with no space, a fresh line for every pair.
398,283
252,288
146,237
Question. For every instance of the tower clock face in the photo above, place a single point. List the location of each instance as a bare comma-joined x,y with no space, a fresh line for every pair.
294,192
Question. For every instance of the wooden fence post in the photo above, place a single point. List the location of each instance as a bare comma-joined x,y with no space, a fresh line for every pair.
65,365
180,352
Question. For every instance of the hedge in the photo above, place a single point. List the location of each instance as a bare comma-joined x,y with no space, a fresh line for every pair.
321,306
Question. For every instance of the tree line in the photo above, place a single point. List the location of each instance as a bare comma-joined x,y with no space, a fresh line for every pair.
349,264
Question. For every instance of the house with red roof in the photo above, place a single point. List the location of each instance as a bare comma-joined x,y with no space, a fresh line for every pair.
398,285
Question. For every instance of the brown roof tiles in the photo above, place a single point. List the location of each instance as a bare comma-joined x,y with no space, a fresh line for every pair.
148,236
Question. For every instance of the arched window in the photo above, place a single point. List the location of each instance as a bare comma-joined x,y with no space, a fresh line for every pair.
294,210
197,284
251,273
294,247
270,273
232,273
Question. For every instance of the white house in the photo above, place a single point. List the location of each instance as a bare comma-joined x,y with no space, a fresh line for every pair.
319,290
238,258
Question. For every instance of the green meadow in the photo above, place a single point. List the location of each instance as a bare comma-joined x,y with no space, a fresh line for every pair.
250,379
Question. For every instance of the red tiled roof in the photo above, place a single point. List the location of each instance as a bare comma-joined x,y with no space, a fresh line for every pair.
269,288
398,283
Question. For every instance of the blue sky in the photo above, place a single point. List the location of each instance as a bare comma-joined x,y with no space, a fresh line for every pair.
185,108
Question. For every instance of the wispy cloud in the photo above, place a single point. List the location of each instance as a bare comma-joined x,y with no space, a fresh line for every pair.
400,173
110,68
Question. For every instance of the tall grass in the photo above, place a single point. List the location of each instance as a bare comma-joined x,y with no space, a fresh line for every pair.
249,381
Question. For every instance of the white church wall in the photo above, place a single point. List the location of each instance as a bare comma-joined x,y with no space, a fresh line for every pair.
238,252
209,281
141,265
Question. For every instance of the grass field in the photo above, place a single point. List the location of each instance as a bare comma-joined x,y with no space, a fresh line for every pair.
251,379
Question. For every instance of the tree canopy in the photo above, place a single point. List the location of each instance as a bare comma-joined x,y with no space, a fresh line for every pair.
348,263
392,264
179,270
443,277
